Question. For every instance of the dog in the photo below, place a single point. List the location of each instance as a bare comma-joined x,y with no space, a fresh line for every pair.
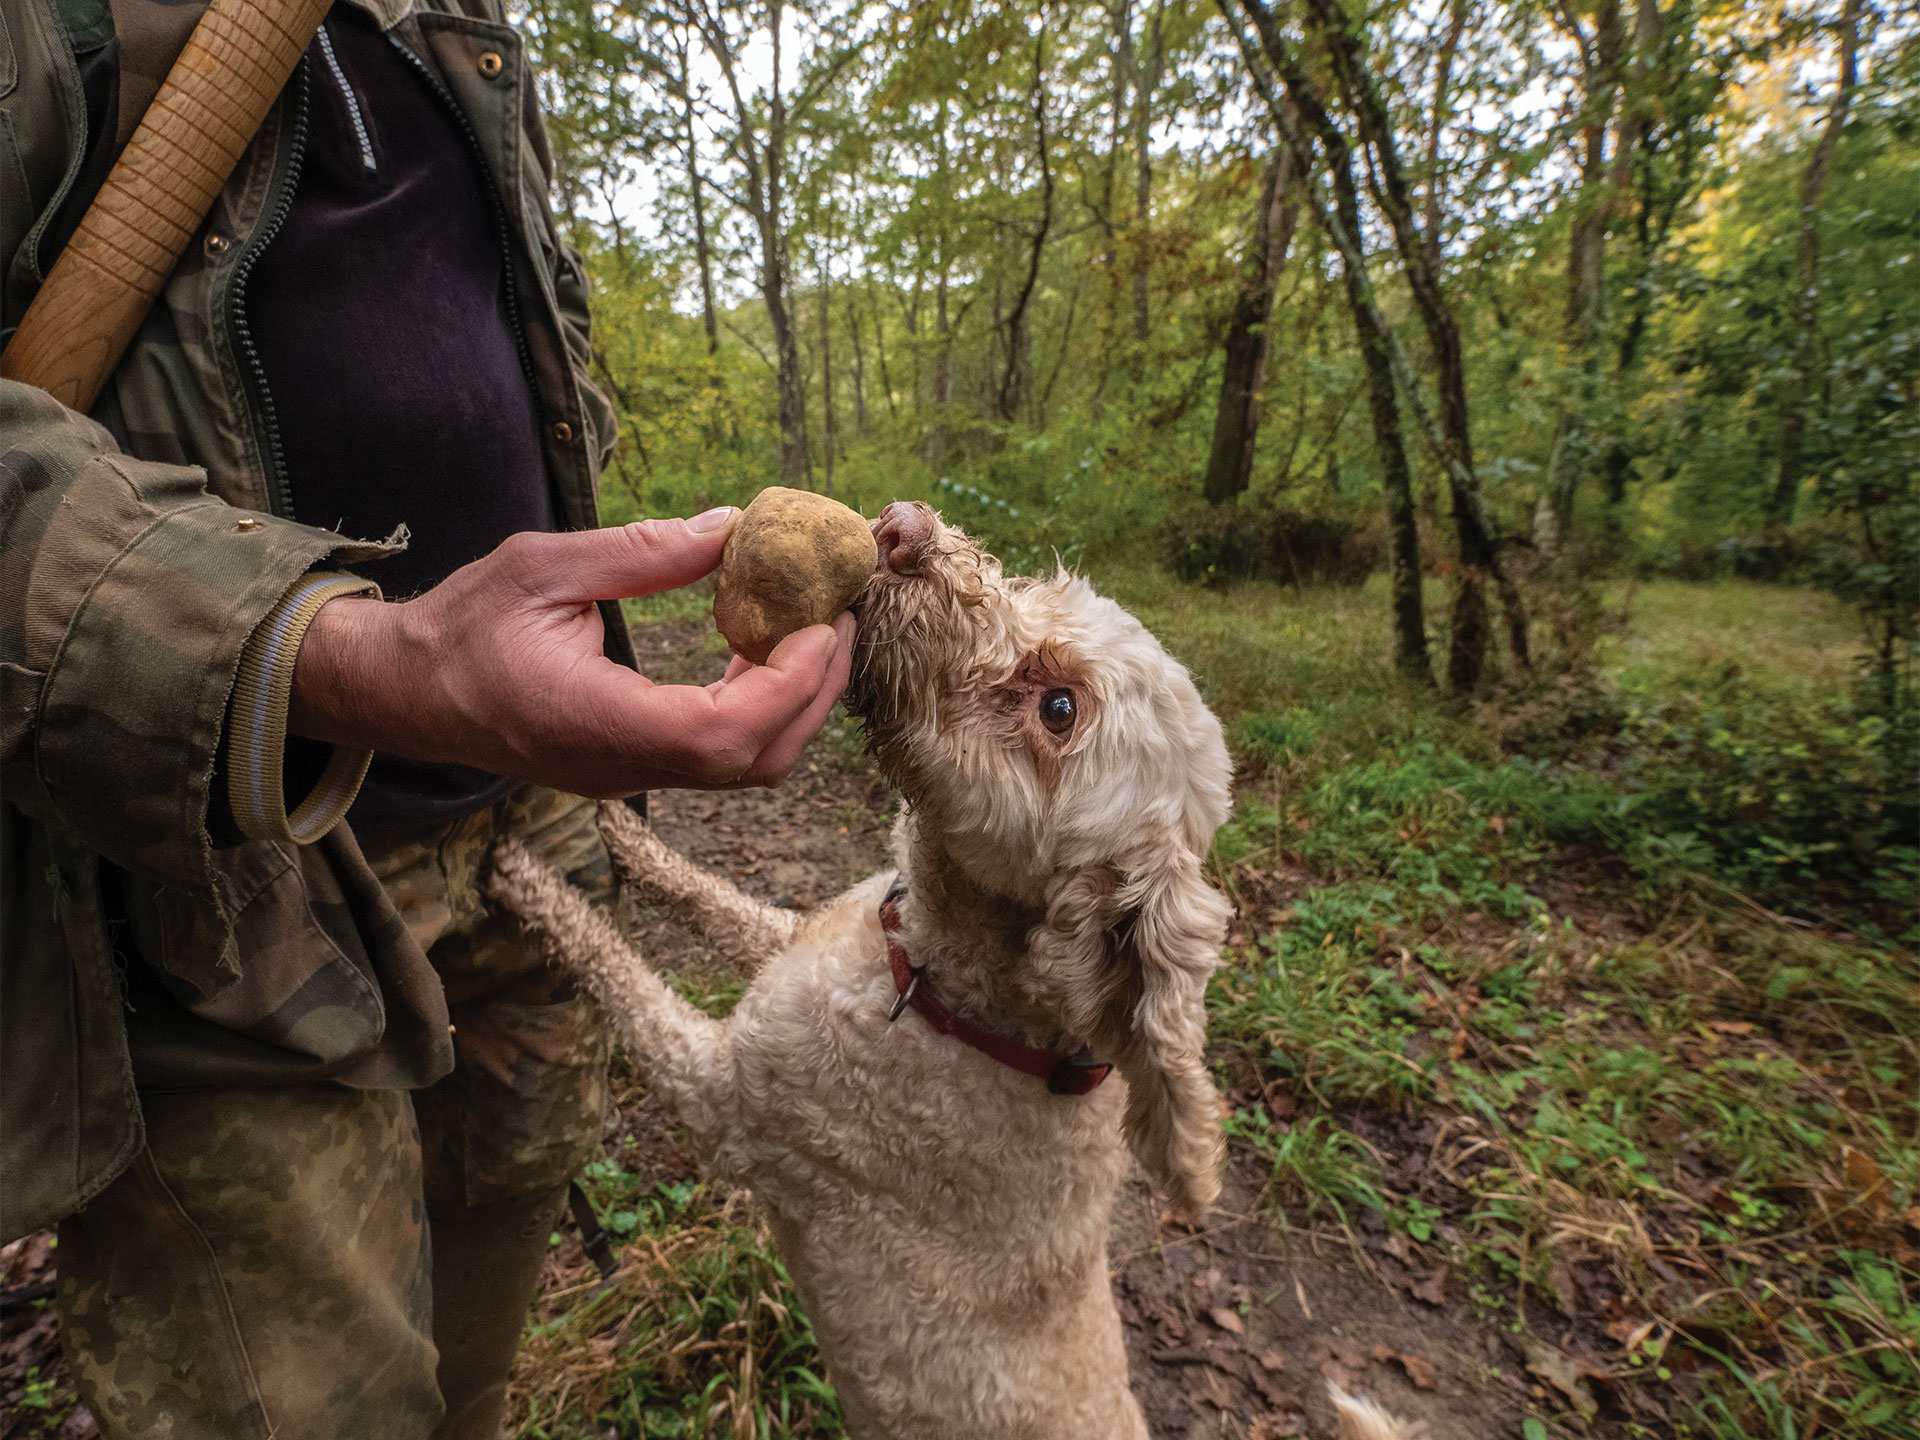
936,1079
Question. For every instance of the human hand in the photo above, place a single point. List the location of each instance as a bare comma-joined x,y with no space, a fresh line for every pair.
500,667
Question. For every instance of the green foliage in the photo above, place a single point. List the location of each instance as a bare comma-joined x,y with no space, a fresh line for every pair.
1804,802
1215,544
1541,917
697,1334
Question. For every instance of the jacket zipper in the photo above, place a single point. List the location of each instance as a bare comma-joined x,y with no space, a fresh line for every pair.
502,233
279,486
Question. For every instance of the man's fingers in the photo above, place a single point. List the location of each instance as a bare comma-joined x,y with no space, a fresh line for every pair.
715,736
624,560
737,666
779,757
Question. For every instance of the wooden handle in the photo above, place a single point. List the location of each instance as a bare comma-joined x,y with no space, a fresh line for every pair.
158,195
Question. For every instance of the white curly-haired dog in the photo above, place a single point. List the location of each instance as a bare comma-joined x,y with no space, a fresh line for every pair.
916,1099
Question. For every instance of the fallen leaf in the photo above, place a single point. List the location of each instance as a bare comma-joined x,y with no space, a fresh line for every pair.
1731,1027
1866,1181
1171,1220
1277,1427
1432,1288
1562,1374
1565,1292
1272,1361
1281,1101
1206,1383
1227,1320
1419,1369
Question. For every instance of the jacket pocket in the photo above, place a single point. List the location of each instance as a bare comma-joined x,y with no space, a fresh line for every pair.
280,979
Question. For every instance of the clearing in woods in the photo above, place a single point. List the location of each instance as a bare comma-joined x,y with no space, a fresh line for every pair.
1539,1130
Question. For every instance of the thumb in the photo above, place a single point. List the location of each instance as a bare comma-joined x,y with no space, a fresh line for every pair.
639,559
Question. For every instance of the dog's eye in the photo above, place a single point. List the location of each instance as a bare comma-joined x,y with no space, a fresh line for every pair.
1057,710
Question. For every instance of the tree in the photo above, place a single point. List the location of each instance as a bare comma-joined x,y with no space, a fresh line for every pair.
757,124
1378,349
1806,292
1014,378
1479,554
1236,424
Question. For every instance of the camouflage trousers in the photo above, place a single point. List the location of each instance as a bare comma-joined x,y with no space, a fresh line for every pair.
317,1261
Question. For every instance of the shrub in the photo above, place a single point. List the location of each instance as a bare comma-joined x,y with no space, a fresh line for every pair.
1799,800
1215,544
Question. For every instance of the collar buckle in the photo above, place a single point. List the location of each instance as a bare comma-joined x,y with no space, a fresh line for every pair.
905,997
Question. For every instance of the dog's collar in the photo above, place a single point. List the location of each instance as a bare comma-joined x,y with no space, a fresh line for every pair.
1076,1074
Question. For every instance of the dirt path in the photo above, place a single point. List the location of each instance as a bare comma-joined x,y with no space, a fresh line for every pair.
1231,1328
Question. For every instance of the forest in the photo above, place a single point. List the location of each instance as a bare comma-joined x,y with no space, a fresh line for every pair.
1509,413
1493,292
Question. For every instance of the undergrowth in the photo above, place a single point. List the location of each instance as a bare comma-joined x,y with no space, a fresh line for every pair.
1599,995
1659,991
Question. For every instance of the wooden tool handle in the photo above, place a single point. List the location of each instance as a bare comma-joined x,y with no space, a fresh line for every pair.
153,203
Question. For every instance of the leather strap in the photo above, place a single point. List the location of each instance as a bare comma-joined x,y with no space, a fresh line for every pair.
1076,1074
593,1236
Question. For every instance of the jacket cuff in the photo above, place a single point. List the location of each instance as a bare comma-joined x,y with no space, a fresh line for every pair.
256,729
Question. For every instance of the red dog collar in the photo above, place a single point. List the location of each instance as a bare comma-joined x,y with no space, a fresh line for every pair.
1076,1074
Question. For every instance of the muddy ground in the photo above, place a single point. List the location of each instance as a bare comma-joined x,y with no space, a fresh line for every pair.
1233,1328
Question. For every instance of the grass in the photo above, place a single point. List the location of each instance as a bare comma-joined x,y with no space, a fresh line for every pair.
1655,1092
697,1333
1678,1126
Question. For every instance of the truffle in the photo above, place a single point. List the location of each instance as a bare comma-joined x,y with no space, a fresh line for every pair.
794,559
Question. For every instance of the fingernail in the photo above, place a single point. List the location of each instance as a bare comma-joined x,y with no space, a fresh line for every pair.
717,518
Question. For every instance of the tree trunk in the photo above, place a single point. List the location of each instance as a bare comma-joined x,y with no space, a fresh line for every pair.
859,366
1806,295
1442,86
795,463
1143,90
880,356
943,355
702,247
1044,401
765,165
1013,378
1236,422
1586,281
1121,67
1387,364
1396,477
1479,556
826,364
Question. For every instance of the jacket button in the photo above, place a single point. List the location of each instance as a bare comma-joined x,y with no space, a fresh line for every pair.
563,432
490,63
246,524
216,245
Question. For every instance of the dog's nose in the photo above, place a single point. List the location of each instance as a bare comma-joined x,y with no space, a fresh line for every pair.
902,533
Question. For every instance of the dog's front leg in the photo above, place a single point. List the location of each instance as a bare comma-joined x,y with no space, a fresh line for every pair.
746,931
683,1053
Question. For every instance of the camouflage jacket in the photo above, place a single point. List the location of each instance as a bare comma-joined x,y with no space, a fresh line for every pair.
141,548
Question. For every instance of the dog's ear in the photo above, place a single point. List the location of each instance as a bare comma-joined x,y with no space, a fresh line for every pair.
1127,954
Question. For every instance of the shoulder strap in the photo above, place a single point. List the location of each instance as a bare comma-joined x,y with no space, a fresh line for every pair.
217,93
152,33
